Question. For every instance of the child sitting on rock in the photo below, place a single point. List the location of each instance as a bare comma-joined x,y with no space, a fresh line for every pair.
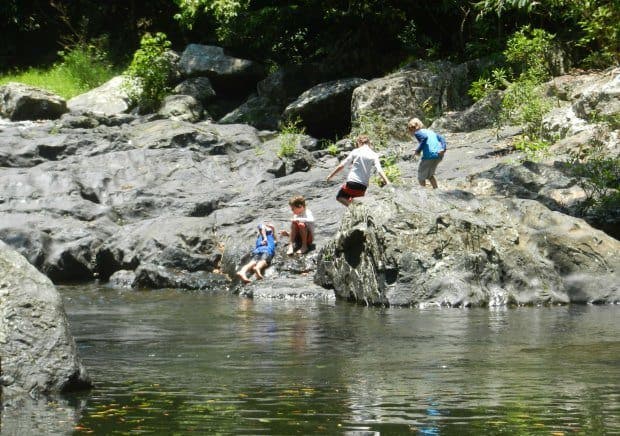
302,226
265,249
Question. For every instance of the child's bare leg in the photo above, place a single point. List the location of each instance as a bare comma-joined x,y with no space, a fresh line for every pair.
303,234
260,265
433,182
242,273
345,200
292,238
422,182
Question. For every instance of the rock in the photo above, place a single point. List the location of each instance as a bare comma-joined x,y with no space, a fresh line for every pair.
198,87
481,115
264,109
433,87
39,355
110,98
229,74
454,249
325,109
20,102
181,108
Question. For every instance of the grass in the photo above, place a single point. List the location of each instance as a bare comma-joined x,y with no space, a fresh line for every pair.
54,80
80,70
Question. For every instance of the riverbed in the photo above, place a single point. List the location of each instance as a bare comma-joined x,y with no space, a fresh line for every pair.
173,362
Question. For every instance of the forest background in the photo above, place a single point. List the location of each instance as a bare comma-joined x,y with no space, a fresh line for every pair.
365,38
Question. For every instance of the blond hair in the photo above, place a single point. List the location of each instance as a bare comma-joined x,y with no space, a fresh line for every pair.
415,124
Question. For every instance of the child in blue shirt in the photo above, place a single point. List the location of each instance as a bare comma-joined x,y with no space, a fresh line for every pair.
265,249
433,148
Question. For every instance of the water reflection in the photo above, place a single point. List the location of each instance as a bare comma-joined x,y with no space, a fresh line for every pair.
175,362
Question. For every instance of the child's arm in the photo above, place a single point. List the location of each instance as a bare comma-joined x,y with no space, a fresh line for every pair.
444,145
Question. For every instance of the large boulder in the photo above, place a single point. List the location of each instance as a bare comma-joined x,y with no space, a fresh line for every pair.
20,102
415,91
264,109
325,109
179,107
228,74
451,248
39,355
198,87
109,99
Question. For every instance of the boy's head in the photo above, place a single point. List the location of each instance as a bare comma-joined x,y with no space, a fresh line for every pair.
297,202
415,124
362,140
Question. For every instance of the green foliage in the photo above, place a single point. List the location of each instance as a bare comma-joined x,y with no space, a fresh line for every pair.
224,11
524,103
599,21
485,7
534,149
390,168
289,133
87,64
599,177
489,82
333,149
527,51
149,72
374,125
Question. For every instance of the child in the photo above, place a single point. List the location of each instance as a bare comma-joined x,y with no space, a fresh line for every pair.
265,249
432,146
302,226
363,159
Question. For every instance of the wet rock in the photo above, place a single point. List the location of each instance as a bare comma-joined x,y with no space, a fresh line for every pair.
39,356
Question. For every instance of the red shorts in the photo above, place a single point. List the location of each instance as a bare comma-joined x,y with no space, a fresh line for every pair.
298,226
351,190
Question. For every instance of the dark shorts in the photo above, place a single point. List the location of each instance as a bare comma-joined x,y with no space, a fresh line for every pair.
427,168
351,190
262,256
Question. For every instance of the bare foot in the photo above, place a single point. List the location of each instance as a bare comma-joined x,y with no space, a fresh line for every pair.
302,250
258,274
243,278
290,249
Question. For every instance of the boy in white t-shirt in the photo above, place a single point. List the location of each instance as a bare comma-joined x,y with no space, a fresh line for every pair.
362,160
302,226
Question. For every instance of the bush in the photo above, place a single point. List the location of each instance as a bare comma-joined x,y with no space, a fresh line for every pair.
288,137
149,72
599,177
87,65
374,126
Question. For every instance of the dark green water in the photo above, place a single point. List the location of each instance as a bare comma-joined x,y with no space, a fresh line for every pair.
170,362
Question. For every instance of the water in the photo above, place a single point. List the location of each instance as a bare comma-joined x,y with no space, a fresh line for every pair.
172,362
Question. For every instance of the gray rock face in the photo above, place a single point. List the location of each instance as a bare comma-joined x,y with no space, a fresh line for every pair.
20,102
453,249
173,203
38,353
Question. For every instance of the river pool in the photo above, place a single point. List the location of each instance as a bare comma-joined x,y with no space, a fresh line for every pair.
173,362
